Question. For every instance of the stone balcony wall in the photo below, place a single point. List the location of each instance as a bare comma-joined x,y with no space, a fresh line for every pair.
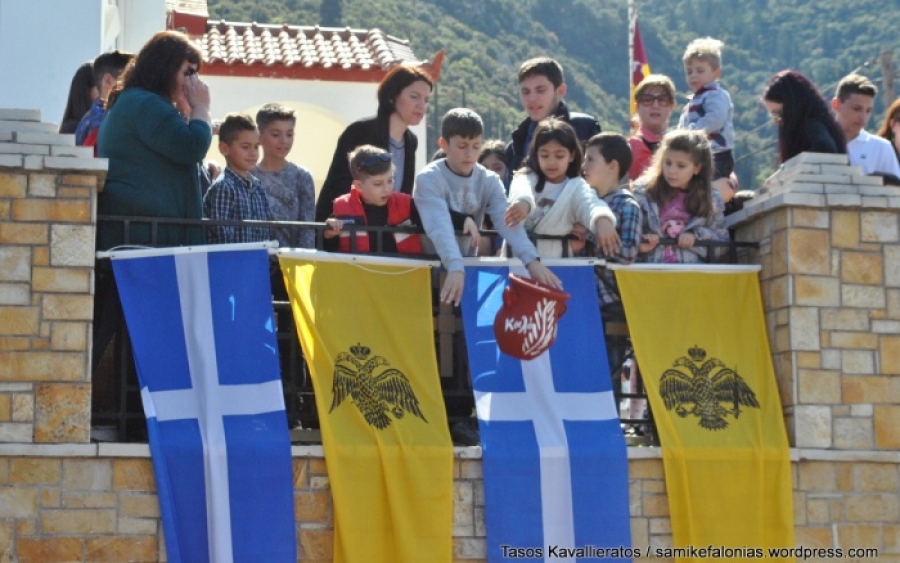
48,192
830,255
97,503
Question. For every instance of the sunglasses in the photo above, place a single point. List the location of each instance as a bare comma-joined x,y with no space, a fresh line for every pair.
371,160
663,100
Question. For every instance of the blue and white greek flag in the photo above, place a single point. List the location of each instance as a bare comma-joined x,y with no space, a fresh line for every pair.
555,464
202,330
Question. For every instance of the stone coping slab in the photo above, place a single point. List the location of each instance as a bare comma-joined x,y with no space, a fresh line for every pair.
121,450
767,202
27,142
819,181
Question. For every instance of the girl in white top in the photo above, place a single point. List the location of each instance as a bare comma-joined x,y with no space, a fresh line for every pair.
552,198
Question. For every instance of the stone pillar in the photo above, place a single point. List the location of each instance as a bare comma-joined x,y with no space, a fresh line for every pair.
830,255
48,190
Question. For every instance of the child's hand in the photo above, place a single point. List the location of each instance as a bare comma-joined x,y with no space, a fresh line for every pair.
214,169
451,291
334,227
725,189
650,242
686,240
516,213
543,274
579,231
607,238
471,229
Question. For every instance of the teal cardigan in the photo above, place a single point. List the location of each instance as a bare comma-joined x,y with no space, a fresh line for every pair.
153,169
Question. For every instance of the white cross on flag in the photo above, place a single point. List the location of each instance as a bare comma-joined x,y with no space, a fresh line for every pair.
200,321
555,467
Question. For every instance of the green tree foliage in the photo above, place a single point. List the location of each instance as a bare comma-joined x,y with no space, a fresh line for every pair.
331,13
486,40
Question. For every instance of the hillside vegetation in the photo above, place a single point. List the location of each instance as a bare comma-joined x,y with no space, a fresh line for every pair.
486,40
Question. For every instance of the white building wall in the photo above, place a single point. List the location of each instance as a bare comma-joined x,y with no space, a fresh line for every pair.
43,42
323,109
140,19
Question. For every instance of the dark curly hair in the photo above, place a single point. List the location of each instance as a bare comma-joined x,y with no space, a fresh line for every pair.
801,102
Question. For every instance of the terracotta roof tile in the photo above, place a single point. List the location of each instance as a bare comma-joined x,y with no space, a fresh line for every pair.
306,46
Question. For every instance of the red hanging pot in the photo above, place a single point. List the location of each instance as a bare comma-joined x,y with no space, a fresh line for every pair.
525,326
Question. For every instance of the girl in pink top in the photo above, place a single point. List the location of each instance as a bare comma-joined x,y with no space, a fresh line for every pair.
677,200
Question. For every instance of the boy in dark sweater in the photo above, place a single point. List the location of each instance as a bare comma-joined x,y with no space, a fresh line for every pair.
541,90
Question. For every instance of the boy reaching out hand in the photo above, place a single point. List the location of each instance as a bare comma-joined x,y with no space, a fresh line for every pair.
458,183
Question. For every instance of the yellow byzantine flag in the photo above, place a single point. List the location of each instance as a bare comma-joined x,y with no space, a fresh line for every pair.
366,329
700,342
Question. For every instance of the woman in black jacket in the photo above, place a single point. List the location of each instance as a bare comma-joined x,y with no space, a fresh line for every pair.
403,96
805,122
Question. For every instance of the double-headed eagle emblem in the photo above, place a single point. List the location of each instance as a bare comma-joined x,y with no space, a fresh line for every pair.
704,390
374,394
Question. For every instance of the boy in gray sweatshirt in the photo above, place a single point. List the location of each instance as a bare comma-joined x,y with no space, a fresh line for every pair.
459,183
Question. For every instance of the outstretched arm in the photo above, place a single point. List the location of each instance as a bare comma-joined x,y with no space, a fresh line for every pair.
543,274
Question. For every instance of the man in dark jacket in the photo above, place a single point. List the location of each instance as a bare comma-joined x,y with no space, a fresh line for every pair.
541,89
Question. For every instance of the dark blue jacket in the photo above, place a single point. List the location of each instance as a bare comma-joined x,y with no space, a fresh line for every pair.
586,126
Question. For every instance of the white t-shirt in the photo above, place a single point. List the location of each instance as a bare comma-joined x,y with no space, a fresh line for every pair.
544,201
873,154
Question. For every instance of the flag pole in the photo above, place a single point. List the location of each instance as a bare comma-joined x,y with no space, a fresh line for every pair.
632,21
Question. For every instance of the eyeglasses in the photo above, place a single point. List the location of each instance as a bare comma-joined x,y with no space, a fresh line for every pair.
371,160
777,116
647,100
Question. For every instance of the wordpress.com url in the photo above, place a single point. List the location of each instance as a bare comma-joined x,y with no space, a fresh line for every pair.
800,553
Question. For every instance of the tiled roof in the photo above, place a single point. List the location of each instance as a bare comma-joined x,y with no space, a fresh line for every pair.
292,46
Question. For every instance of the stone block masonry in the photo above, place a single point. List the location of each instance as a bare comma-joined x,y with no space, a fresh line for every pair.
831,287
97,503
48,193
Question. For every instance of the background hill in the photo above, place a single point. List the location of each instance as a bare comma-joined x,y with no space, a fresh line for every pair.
486,40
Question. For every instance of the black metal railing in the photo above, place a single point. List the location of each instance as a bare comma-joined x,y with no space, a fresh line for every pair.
117,413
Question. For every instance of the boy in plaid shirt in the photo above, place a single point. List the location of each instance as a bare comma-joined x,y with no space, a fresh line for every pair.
237,195
607,158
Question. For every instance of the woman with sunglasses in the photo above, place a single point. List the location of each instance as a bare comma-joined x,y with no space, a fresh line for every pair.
804,119
403,96
155,133
655,101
